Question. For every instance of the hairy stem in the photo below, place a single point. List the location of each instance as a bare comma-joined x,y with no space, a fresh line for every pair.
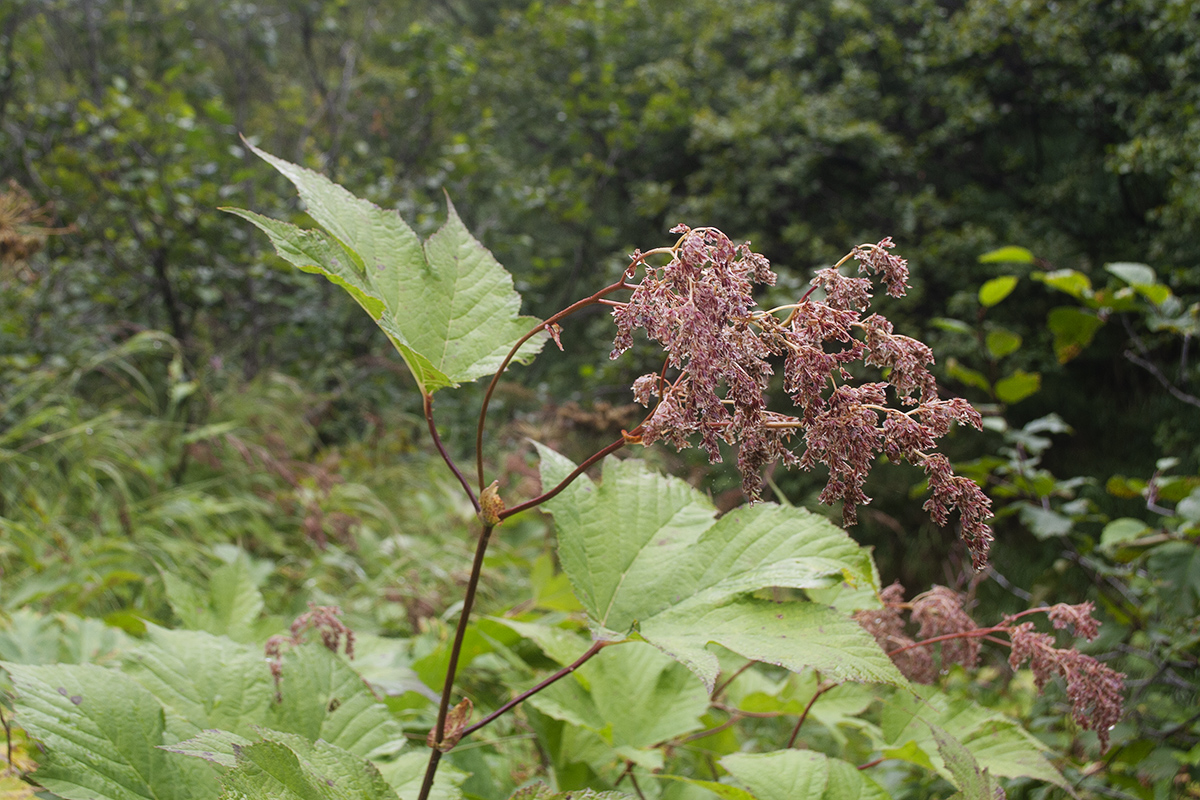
437,441
525,695
452,667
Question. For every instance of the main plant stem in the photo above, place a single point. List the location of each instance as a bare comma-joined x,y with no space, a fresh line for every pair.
460,633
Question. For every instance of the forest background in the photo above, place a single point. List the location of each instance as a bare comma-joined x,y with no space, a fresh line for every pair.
169,388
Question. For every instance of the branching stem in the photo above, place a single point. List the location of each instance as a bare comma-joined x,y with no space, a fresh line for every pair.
822,689
544,496
487,397
525,695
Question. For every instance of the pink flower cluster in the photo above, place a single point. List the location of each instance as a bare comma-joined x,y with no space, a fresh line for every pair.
718,347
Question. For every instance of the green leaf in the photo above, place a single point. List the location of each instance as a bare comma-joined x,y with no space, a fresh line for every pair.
973,783
1133,274
995,742
323,698
217,746
1070,281
1189,507
1017,386
1045,523
968,376
447,306
540,791
101,733
1073,330
406,773
1000,342
996,290
1120,531
800,775
1007,255
1177,564
632,695
952,325
645,556
203,681
1142,278
231,606
284,767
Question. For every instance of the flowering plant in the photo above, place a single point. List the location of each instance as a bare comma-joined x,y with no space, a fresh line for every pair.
718,343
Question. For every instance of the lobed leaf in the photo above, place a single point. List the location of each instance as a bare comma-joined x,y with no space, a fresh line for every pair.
447,305
647,556
101,732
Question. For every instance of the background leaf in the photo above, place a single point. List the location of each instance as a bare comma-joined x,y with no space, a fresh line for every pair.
996,289
102,732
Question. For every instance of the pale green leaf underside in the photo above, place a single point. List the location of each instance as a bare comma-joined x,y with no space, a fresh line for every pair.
447,305
646,553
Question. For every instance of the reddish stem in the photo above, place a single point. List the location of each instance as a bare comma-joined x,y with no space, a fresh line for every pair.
452,667
822,689
437,441
487,397
525,695
543,497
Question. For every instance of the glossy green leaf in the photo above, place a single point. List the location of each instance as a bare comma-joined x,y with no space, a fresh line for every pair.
1017,386
447,305
1001,342
101,732
647,557
1073,330
952,325
1070,281
1120,531
968,376
1007,255
996,290
1133,274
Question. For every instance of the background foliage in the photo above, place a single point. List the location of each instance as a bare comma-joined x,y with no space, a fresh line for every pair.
179,408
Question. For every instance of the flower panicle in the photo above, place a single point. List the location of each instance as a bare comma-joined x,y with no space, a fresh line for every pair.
1094,689
723,350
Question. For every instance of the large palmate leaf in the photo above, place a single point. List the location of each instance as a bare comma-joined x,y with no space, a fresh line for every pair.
101,732
205,681
447,305
646,555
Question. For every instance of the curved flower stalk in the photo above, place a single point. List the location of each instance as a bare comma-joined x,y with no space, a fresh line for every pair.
719,345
